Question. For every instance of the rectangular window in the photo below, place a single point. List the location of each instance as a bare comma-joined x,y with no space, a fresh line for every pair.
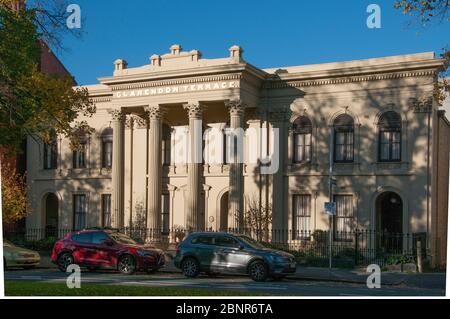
106,210
302,147
343,150
165,211
79,156
301,220
343,221
50,155
107,154
79,211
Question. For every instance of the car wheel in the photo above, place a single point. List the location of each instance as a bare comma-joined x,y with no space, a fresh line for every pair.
64,261
258,271
190,267
126,265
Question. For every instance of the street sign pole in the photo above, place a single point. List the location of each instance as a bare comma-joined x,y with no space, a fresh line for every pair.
330,192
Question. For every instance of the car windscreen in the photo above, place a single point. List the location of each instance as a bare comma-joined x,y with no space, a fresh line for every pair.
251,242
122,238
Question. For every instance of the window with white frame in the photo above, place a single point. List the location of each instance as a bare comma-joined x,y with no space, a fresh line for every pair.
301,221
343,139
79,211
79,154
390,137
302,130
51,155
344,219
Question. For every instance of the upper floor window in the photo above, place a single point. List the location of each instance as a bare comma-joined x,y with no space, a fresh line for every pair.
343,138
51,155
390,137
302,129
79,154
107,145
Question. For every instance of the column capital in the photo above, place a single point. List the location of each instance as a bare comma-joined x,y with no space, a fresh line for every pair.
236,107
117,115
154,112
195,110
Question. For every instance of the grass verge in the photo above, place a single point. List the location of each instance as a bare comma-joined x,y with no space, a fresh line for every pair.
34,288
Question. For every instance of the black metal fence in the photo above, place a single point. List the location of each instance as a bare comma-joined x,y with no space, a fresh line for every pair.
358,246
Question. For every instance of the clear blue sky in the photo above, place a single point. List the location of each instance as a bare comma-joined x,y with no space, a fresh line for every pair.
272,33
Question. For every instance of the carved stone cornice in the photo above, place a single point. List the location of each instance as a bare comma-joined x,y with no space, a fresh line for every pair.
184,81
195,110
117,115
423,105
236,107
129,122
281,84
100,99
154,112
139,122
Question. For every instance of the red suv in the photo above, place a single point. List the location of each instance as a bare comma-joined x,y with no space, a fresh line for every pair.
105,249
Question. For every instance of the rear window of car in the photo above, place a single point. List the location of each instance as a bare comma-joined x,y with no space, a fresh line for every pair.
226,241
82,237
202,240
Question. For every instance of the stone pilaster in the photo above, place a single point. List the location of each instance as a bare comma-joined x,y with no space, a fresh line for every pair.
193,200
118,171
236,192
155,114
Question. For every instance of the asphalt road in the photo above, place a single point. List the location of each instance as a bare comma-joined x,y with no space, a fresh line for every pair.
286,287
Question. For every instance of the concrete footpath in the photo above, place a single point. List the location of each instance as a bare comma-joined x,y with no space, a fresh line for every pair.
351,276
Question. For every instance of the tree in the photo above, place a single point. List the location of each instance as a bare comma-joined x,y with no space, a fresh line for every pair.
14,207
32,103
426,12
257,218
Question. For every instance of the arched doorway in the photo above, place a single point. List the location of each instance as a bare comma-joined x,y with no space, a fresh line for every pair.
223,223
389,222
51,215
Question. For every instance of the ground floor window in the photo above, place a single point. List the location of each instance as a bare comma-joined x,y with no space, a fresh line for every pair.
301,226
165,212
79,211
343,221
106,210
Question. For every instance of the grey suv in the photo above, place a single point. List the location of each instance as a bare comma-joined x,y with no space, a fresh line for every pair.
222,252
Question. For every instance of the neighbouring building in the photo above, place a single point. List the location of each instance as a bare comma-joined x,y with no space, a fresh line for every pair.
374,119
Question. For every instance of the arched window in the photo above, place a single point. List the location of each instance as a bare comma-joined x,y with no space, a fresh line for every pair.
343,138
107,145
390,137
302,129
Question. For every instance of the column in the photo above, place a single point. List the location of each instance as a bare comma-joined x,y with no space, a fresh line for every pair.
117,198
193,200
155,114
236,192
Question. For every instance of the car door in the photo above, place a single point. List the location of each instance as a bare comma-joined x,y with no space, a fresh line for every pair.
82,247
100,252
229,255
203,250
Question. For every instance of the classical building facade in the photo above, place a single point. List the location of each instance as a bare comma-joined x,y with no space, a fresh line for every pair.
374,120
